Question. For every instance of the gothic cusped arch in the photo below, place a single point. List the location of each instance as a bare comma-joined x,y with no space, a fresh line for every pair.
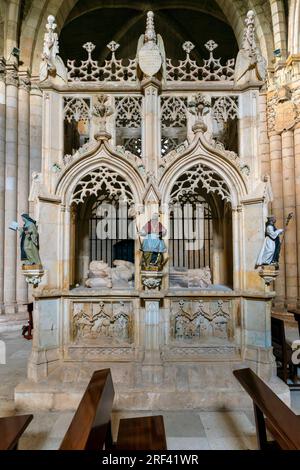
101,164
211,167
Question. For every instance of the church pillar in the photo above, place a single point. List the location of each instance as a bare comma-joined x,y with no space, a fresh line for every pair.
23,175
277,209
2,174
36,116
264,144
151,151
297,193
289,205
11,155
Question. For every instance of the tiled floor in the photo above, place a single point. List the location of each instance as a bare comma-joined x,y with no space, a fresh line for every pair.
186,430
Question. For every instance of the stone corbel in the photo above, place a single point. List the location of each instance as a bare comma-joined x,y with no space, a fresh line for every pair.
33,274
268,274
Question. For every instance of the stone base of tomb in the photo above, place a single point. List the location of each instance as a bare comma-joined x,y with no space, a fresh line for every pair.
167,350
205,385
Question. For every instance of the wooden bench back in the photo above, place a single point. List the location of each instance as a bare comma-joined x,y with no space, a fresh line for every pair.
90,428
11,429
277,331
283,423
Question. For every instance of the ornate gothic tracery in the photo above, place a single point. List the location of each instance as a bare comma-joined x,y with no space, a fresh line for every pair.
102,179
187,186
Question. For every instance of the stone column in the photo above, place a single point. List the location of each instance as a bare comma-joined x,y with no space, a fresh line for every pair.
297,193
277,209
151,151
2,174
289,205
11,155
152,368
264,144
36,116
23,175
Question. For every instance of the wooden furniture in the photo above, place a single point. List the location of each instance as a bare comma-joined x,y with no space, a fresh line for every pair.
296,314
146,433
270,413
27,329
90,428
11,429
281,349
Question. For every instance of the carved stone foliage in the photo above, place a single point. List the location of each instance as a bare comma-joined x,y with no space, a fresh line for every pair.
114,69
52,63
189,70
225,108
129,123
193,320
128,111
282,110
102,179
107,320
249,60
77,109
174,111
199,176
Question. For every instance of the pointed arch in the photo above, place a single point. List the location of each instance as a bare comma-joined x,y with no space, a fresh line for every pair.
101,157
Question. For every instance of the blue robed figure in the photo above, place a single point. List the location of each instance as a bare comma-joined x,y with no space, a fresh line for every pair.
153,245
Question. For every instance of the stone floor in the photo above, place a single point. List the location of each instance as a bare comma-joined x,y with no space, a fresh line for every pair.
185,430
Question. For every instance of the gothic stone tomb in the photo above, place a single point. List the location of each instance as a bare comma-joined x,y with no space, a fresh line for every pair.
121,141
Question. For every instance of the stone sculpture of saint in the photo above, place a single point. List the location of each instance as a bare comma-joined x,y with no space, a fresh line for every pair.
29,242
153,245
270,251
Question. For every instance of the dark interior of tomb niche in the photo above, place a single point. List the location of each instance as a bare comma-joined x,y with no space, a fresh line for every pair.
121,21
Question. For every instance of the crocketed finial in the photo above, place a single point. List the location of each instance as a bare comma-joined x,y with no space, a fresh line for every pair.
150,30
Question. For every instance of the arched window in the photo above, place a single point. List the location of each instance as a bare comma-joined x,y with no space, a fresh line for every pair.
103,228
200,230
110,231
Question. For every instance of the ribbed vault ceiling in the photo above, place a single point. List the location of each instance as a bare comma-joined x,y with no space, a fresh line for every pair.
123,21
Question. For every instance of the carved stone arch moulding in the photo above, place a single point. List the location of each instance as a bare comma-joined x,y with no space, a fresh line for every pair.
187,185
101,179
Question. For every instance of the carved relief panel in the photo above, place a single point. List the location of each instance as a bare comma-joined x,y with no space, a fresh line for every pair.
192,321
110,321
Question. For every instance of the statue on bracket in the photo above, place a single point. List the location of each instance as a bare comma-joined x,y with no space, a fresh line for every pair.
29,242
269,254
32,267
153,245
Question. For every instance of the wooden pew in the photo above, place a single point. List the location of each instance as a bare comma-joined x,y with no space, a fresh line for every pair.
296,314
146,433
27,329
281,349
90,428
270,413
11,429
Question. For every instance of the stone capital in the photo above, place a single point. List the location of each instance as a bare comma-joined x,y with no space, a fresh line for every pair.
149,83
11,77
24,81
2,69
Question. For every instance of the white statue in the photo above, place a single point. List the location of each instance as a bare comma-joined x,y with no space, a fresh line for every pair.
52,63
250,64
151,56
269,254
